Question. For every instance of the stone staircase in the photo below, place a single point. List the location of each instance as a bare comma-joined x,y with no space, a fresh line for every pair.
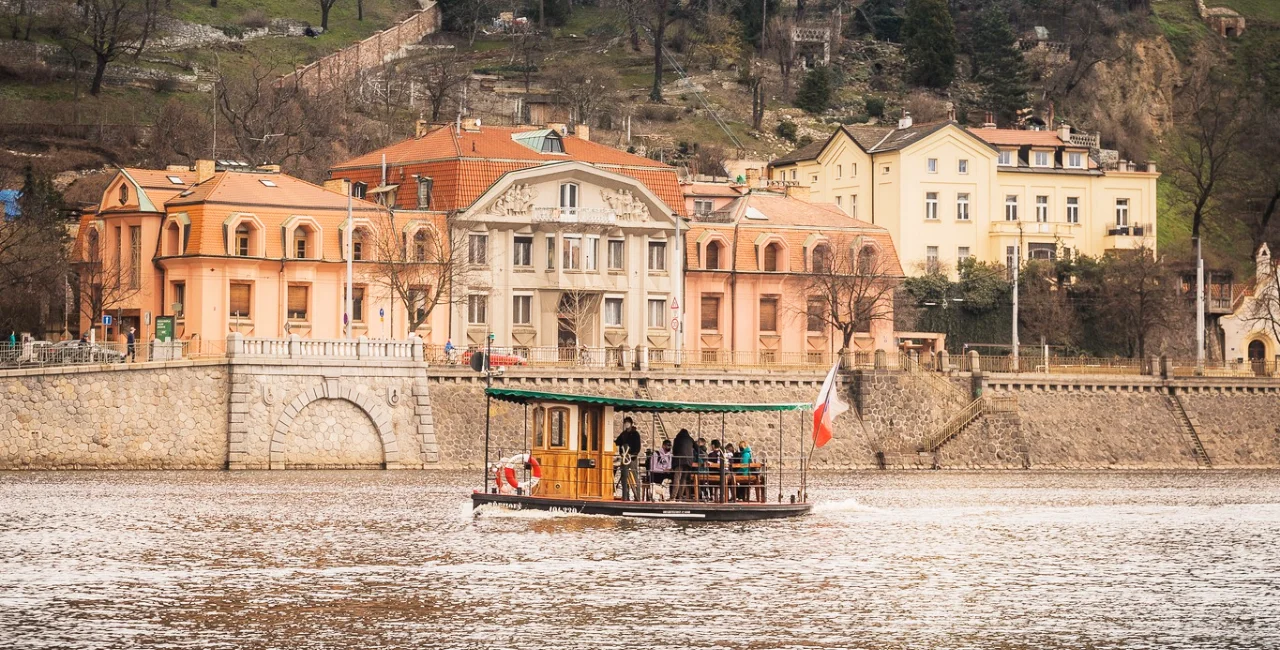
954,426
1187,427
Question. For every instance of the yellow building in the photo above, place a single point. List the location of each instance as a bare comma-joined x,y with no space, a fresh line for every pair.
946,192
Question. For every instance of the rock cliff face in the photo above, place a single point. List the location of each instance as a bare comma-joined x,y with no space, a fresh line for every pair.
1131,97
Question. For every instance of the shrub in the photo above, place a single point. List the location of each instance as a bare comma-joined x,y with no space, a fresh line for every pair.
254,19
816,90
875,106
658,113
165,84
786,130
232,31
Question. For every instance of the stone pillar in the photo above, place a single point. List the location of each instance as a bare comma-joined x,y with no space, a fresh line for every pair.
235,345
1153,366
426,422
881,360
295,346
642,358
362,347
974,362
1165,367
417,347
944,362
1275,369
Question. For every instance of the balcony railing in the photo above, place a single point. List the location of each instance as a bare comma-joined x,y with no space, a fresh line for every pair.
1034,228
1133,230
603,216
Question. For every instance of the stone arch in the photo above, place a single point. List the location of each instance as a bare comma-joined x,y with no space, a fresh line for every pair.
331,389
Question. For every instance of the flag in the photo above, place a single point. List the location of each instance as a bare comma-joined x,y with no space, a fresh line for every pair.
827,407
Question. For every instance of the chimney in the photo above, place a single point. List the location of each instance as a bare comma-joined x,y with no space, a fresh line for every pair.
905,122
339,185
421,128
800,192
1064,133
473,126
753,178
558,127
991,121
177,168
1151,166
205,170
584,132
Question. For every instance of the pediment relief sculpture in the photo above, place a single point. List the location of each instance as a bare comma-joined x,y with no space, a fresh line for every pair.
627,205
517,201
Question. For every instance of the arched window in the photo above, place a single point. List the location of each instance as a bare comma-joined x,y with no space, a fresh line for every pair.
173,239
243,233
94,253
357,244
821,259
305,242
124,194
772,257
421,246
867,259
713,255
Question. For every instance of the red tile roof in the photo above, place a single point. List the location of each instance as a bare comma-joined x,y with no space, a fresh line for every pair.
1018,137
464,165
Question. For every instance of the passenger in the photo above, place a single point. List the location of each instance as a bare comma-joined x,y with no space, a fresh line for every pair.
628,443
660,464
744,458
682,455
716,454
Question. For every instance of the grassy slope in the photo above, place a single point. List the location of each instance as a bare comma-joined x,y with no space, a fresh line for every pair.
1257,9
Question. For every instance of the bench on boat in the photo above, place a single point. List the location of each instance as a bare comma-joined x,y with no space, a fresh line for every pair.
710,476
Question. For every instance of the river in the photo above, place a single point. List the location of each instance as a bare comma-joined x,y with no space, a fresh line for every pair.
395,560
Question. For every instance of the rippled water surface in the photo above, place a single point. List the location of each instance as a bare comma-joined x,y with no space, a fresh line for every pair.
395,560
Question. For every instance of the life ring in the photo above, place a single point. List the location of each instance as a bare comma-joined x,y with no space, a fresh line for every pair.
505,474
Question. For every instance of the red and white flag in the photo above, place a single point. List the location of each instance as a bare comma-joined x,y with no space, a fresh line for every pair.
827,407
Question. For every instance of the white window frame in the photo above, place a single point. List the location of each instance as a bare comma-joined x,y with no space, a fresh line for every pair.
518,297
620,301
839,171
703,206
591,253
477,305
1042,159
931,260
1075,160
483,258
1122,212
515,247
1073,209
962,254
931,206
962,166
838,203
622,258
1005,158
962,206
853,206
571,252
1011,207
1042,208
552,250
656,306
570,198
932,165
649,257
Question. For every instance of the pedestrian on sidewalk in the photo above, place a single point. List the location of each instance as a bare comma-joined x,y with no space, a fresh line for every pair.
133,348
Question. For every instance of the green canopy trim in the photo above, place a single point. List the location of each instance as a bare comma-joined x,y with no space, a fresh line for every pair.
638,405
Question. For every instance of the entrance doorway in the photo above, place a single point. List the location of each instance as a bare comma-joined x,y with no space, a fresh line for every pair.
1258,357
591,478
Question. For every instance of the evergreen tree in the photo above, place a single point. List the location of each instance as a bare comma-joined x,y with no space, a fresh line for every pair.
998,65
879,18
816,90
930,39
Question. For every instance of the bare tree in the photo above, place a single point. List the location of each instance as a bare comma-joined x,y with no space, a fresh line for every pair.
325,6
108,29
849,288
421,265
1138,297
104,280
1255,189
528,50
578,312
33,262
1264,312
777,39
275,119
589,89
654,16
20,17
442,76
1202,153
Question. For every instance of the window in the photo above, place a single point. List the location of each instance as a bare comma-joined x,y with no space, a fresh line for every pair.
793,174
1073,209
962,207
703,206
135,257
94,251
1122,212
931,206
931,259
300,244
1011,207
569,198
613,312
521,310
713,255
962,253
297,303
358,190
179,299
813,179
175,180
853,169
867,260
838,203
552,143
522,251
418,303
357,304
1010,259
1042,209
551,252
357,244
657,313
815,315
839,171
710,311
657,256
124,194
933,165
853,205
424,193
885,170
590,253
558,421
962,166
616,256
769,314
572,260
1006,158
1075,160
771,254
821,258
267,183
242,240
539,426
478,249
477,309
239,300
1042,251
1042,159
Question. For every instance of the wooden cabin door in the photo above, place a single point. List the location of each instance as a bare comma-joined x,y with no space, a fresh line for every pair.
591,480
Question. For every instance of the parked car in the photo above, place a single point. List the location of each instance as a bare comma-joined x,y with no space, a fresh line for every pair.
496,359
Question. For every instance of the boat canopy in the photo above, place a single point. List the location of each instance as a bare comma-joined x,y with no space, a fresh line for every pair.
638,405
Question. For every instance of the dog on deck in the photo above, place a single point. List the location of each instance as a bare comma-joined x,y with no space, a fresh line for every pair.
661,491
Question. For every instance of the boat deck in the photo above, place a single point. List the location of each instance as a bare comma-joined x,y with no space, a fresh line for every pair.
676,510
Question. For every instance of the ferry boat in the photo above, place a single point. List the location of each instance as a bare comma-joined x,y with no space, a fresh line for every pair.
568,460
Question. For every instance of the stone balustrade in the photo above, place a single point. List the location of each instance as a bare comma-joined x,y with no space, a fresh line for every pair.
296,347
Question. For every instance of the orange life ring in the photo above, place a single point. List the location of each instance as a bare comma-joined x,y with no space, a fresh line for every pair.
505,474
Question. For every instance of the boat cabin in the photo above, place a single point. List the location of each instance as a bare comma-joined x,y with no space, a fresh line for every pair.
573,445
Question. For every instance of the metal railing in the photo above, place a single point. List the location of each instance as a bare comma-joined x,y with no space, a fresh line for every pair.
75,352
953,426
575,215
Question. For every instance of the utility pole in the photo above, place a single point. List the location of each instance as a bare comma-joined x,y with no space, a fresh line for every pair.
1199,310
1017,262
347,316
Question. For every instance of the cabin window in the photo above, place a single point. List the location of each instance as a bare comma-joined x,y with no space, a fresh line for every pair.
424,193
558,426
539,427
357,244
242,240
359,189
589,431
769,314
124,194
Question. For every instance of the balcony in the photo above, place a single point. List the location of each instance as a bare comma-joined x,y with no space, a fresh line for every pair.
1051,228
600,216
1135,230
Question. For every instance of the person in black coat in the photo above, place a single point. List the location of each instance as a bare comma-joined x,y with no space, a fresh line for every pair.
682,453
628,443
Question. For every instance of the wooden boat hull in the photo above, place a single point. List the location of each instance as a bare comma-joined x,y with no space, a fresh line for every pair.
647,509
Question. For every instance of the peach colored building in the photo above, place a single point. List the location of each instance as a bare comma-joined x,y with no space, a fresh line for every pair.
750,288
704,197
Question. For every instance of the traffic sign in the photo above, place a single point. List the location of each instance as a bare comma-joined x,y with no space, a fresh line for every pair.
675,324
381,312
674,304
106,320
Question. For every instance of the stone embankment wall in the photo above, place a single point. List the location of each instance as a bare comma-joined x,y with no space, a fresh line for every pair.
350,62
280,414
